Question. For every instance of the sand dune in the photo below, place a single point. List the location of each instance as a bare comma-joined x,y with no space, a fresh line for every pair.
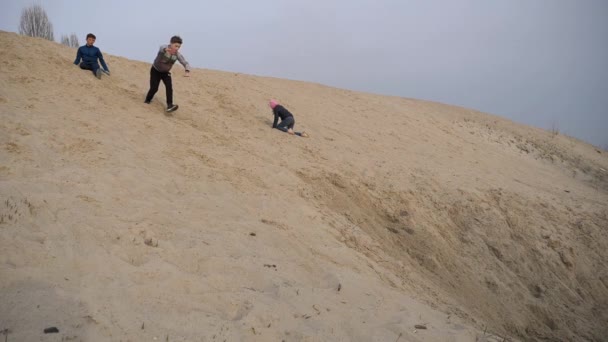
118,223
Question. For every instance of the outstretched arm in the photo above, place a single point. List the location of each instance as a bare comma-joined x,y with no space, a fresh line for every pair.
78,57
276,118
103,63
183,62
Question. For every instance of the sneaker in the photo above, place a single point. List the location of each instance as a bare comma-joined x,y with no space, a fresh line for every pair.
172,108
98,73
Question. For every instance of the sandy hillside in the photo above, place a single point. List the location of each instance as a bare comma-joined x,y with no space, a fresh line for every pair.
118,223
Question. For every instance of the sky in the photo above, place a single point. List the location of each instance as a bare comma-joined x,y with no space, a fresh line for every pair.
539,62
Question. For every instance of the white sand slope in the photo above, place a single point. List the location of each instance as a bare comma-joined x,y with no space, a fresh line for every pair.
118,223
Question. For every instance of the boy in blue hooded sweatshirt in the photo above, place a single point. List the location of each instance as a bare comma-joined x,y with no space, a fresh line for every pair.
90,55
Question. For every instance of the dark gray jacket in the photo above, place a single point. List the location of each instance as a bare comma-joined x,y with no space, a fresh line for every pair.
164,61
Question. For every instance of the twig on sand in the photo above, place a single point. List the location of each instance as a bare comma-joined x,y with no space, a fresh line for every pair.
317,310
398,337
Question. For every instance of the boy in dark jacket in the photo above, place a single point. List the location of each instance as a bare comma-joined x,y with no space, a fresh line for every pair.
161,70
90,55
287,120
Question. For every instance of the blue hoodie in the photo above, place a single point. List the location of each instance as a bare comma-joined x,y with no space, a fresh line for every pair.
89,55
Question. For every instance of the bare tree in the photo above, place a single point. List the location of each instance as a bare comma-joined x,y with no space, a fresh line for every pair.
35,23
74,40
71,40
555,128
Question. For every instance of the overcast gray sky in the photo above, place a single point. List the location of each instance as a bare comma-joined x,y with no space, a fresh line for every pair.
538,62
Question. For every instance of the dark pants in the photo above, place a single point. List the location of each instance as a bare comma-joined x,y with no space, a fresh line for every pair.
155,78
286,124
90,66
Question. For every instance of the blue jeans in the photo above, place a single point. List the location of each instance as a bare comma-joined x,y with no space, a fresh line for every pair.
90,66
286,124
